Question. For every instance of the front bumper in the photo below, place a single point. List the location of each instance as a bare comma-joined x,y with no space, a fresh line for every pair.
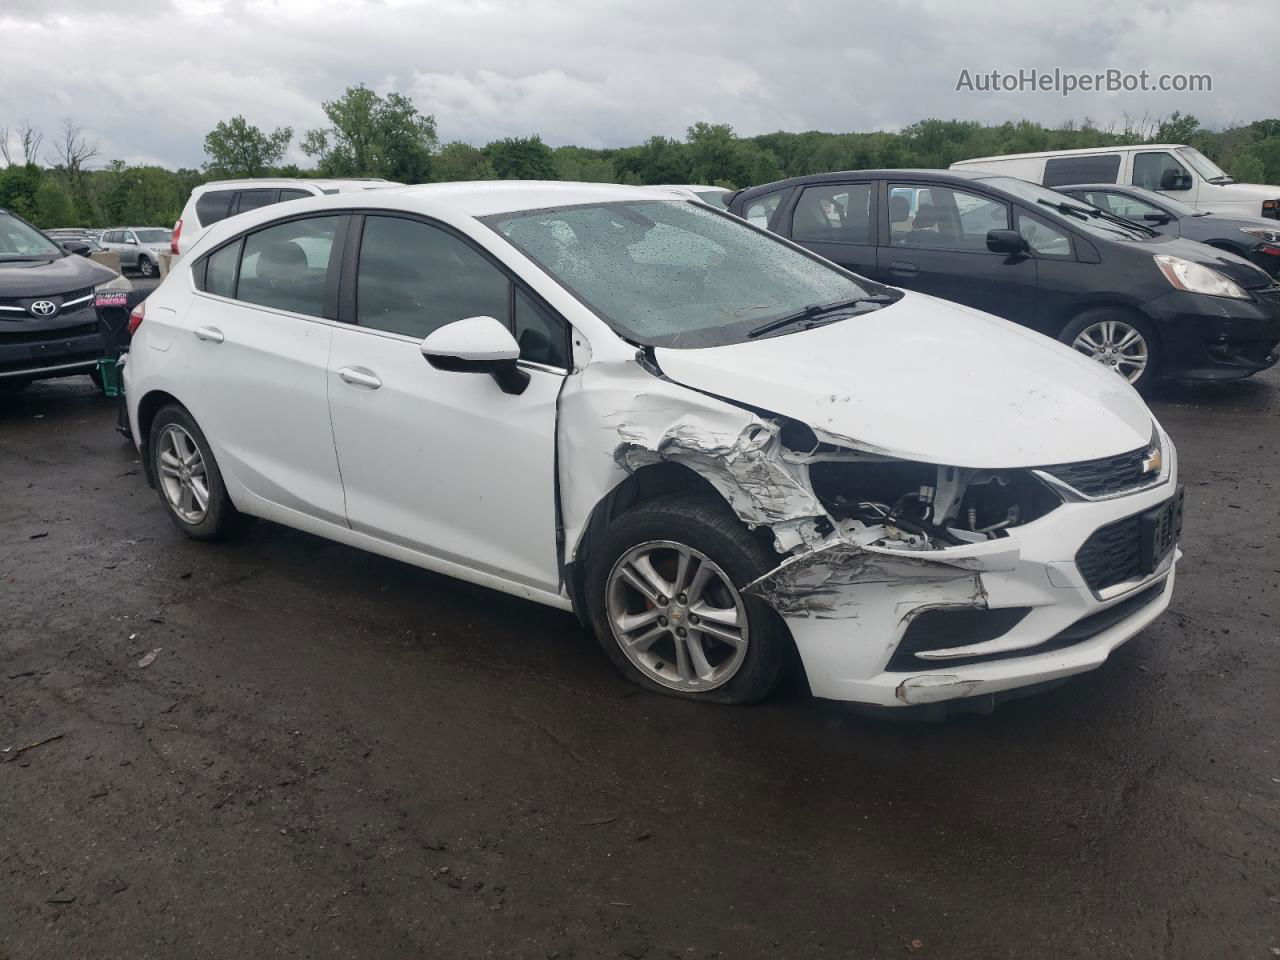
849,630
33,349
1217,338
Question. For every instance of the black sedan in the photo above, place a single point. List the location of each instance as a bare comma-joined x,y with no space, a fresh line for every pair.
1143,303
50,305
1255,239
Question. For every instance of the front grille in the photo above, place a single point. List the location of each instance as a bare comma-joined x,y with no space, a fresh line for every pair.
1105,477
1132,548
21,335
1112,555
14,307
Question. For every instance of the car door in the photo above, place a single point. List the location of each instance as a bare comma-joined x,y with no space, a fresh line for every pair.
934,240
836,221
256,365
444,463
132,248
1161,171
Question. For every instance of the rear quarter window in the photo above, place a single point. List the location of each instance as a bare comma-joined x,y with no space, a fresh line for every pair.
1102,168
212,206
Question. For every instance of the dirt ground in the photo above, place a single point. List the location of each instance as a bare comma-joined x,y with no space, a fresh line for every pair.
335,755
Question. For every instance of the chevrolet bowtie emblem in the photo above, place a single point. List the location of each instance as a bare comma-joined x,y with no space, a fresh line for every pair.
1153,462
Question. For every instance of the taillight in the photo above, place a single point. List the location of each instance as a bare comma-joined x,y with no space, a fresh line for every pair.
173,240
135,317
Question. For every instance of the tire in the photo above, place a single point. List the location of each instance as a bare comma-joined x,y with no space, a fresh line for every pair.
219,517
1092,326
96,376
705,527
146,267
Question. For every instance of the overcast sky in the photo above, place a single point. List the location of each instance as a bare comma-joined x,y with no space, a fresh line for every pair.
148,80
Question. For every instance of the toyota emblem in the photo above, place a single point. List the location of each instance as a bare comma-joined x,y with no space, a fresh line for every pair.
44,308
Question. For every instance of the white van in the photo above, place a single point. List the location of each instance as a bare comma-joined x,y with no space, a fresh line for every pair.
219,199
1173,168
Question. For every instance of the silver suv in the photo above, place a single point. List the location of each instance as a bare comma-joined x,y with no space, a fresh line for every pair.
139,248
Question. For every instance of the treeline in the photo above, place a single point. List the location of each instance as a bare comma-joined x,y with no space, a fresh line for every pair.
374,136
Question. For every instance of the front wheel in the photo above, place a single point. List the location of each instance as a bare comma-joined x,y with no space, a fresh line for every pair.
1122,342
146,267
664,587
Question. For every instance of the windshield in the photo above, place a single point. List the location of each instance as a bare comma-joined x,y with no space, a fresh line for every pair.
1202,164
674,273
1176,207
153,236
18,240
1087,219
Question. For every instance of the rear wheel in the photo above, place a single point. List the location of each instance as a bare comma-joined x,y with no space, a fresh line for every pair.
187,477
664,587
1121,341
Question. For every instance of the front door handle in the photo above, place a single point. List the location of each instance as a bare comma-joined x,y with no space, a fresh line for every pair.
360,378
903,268
211,334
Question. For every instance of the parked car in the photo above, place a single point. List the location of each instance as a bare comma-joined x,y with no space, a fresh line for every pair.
716,196
1169,168
1255,239
216,200
139,248
48,322
1141,303
709,443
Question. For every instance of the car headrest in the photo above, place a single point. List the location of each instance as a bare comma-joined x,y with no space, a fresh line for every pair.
899,209
282,262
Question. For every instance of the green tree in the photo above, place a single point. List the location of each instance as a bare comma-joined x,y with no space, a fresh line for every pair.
236,148
521,158
373,136
18,186
53,206
460,161
1178,128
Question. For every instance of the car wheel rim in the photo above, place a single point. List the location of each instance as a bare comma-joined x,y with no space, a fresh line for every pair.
677,616
183,477
145,268
1117,345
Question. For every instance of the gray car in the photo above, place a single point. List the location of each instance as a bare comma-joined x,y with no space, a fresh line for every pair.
139,248
1253,238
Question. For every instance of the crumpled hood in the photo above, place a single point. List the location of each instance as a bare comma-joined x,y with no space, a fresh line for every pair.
926,379
39,278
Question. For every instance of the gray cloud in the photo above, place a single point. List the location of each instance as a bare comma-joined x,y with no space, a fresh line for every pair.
609,72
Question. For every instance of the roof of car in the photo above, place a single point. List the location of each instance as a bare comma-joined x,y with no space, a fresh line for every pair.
895,174
481,198
321,182
1079,152
1095,186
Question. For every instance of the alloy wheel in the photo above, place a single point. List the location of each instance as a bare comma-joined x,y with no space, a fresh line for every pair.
677,616
145,267
1115,344
183,476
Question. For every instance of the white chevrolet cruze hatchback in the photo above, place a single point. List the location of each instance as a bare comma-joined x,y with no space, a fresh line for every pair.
710,444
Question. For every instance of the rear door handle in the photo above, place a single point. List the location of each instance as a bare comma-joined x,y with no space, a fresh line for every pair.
903,268
211,334
360,378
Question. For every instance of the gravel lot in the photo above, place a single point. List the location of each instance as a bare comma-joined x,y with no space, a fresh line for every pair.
334,755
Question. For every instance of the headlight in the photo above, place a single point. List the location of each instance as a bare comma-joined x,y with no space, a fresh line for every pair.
1196,278
117,283
1263,233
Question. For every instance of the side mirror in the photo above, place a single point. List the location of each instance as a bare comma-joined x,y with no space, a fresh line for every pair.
477,345
1009,242
1156,217
1175,180
79,248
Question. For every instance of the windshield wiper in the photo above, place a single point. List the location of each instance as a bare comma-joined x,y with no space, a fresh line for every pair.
1086,212
816,310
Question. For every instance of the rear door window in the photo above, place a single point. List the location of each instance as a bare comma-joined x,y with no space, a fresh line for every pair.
254,199
285,266
833,213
